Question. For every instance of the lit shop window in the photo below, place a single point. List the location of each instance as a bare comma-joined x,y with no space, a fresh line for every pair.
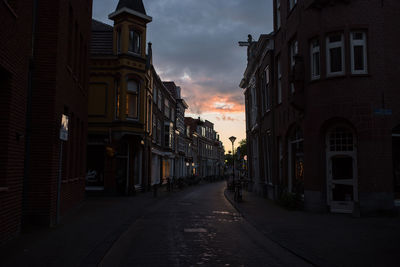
315,60
132,99
358,46
335,54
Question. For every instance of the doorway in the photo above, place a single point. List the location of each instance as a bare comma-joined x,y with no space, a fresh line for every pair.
342,190
296,163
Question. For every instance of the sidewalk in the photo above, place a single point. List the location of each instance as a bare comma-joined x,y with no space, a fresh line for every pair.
83,236
325,239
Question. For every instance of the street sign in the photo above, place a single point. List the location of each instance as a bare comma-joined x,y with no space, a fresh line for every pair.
383,112
64,128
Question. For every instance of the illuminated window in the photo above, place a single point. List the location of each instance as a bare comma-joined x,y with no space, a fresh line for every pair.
132,99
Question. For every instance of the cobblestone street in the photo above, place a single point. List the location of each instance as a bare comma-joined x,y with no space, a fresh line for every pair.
197,227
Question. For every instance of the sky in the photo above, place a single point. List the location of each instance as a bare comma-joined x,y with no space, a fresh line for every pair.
195,44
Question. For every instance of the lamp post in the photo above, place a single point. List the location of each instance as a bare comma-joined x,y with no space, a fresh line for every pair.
232,139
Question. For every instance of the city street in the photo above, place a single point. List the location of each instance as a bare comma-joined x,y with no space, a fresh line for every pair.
194,227
197,227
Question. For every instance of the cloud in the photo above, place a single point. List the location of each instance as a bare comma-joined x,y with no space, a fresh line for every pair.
195,44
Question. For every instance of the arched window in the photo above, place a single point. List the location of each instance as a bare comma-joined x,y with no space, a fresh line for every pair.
134,41
132,99
341,139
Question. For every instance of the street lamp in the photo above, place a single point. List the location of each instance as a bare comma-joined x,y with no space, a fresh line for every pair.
232,139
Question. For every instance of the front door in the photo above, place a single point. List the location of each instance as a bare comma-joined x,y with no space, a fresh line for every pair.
341,184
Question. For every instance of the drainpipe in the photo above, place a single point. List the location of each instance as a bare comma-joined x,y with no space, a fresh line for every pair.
28,116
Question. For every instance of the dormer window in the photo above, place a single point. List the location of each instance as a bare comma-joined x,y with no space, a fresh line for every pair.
134,42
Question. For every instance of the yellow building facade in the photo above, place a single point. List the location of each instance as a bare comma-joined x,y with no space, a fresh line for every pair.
120,102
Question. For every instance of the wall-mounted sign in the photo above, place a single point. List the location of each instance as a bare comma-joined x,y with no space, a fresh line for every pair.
64,128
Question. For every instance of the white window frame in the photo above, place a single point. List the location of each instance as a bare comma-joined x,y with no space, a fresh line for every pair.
279,84
329,46
313,51
363,43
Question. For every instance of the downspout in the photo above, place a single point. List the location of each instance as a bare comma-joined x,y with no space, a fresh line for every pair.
28,117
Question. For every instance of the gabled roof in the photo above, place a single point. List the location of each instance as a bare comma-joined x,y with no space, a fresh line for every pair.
102,39
136,5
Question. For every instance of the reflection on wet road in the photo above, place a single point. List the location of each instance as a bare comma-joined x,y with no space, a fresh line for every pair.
196,227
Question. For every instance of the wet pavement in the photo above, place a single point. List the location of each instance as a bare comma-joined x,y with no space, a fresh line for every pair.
198,227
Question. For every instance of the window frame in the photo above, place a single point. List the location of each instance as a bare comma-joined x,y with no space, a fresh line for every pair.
331,45
362,43
132,39
315,50
293,51
279,80
132,93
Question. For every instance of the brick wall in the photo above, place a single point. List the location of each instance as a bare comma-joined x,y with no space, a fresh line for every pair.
14,51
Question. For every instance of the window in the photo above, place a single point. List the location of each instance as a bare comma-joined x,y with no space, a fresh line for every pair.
315,60
155,95
266,88
169,134
279,81
159,99
132,99
341,139
335,54
358,46
134,42
159,132
117,99
154,134
119,41
278,14
294,50
172,115
292,3
166,108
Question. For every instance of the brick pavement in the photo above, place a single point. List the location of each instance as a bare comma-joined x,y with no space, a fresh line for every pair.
325,239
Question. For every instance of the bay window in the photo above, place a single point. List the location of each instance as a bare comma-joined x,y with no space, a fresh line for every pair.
335,54
358,48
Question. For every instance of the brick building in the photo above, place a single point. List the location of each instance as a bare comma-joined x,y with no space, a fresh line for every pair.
335,113
44,72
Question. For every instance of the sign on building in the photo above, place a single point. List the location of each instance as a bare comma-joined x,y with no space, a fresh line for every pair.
64,128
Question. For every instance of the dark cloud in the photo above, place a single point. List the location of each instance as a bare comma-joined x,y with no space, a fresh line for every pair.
195,44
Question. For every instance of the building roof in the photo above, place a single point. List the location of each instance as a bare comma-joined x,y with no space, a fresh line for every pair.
171,86
102,38
136,5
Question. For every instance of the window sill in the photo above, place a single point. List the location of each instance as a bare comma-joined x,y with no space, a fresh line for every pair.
360,75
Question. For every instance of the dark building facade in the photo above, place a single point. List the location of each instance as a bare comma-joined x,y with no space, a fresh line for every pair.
44,70
335,104
120,102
